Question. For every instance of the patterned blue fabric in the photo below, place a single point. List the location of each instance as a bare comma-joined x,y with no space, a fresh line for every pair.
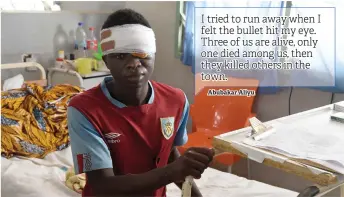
8,122
39,118
14,95
31,148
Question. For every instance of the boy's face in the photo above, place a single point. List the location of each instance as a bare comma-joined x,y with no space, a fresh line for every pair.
130,70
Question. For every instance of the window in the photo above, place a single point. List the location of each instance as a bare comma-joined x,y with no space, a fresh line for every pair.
324,52
32,5
180,27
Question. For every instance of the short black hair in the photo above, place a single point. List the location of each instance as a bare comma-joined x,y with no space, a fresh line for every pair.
123,17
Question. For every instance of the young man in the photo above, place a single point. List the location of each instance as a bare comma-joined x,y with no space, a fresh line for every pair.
123,132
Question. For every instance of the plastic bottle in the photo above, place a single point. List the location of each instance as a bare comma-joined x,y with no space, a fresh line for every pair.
59,62
61,41
80,41
92,43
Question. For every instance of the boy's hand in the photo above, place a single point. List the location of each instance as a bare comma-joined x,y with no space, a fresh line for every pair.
192,163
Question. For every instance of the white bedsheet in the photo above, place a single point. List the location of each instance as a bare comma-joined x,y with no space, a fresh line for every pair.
42,178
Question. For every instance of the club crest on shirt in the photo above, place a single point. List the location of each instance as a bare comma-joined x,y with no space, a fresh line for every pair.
167,127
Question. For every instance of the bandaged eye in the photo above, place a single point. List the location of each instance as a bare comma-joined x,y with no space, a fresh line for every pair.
134,39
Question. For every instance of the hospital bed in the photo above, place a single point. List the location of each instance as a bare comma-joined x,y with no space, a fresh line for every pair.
325,179
33,177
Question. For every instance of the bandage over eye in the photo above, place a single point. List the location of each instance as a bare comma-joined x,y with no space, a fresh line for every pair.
135,39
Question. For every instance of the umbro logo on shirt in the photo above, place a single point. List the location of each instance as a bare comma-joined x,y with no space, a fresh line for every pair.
112,138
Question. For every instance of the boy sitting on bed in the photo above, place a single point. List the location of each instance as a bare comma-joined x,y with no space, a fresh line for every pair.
123,132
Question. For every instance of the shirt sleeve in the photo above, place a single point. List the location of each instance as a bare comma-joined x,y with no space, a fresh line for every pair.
182,134
89,150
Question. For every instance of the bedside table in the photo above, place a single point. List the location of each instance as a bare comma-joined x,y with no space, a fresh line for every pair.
91,80
64,76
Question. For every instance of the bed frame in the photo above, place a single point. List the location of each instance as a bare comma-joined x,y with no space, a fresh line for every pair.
43,79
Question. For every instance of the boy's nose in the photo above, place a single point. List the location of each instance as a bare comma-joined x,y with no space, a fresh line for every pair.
134,63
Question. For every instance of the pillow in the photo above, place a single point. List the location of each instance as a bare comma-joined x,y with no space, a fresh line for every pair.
15,82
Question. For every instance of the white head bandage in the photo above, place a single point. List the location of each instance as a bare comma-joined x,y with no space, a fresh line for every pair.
131,38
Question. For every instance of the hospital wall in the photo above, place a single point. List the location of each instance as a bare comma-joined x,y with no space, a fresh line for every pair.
27,32
170,70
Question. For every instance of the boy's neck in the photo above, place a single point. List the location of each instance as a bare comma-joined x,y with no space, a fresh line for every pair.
130,96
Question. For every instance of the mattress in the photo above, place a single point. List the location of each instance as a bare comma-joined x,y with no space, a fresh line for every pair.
40,178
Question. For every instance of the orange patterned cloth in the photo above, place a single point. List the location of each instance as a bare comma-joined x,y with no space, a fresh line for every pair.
34,120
